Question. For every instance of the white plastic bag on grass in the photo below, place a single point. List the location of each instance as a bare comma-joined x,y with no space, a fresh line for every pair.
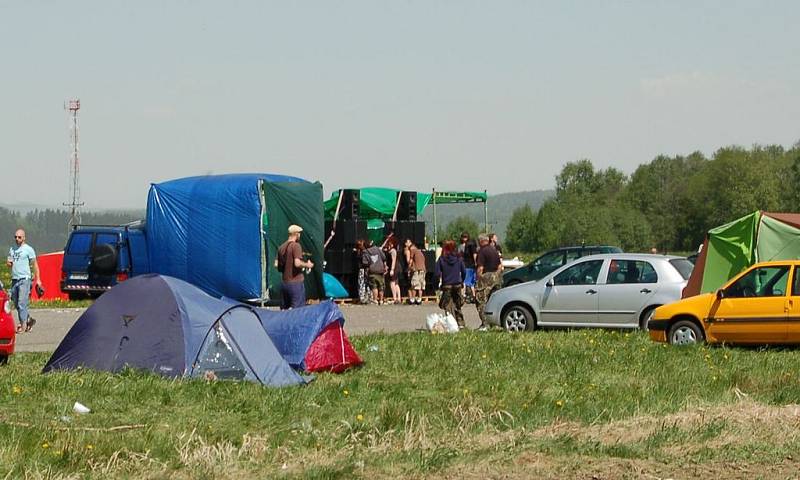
440,323
450,323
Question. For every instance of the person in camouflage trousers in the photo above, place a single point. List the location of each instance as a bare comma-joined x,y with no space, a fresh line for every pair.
489,273
450,271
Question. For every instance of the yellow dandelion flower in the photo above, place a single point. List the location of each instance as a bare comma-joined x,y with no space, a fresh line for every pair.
483,356
345,392
725,356
17,389
89,447
360,417
559,403
45,445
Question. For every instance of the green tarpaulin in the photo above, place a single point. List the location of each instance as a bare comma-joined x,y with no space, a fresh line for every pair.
301,202
380,203
730,250
777,240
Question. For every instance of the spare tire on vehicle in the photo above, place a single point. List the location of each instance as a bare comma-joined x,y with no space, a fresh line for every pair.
104,259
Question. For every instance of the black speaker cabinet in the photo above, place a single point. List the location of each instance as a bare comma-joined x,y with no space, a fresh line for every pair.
347,233
351,200
407,208
340,261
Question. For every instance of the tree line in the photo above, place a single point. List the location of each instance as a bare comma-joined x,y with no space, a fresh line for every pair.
669,203
46,229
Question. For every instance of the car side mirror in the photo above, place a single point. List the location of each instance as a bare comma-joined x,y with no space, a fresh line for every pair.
720,294
550,283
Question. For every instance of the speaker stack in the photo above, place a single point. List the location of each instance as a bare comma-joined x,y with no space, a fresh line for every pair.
340,256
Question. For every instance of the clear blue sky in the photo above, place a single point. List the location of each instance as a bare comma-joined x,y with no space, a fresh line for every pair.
409,94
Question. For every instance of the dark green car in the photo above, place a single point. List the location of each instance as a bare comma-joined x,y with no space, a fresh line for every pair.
552,260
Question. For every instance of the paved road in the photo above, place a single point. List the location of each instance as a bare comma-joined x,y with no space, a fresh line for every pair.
53,324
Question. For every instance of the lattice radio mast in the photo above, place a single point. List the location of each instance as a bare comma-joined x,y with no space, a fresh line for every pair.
74,166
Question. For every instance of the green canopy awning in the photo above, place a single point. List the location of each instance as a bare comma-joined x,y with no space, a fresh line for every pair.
380,203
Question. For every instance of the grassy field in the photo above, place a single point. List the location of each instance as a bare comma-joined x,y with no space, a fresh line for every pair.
581,404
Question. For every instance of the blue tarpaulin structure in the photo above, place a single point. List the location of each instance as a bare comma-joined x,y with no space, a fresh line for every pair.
172,328
221,232
293,331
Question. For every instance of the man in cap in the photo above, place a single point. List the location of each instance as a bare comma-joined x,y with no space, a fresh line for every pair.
291,264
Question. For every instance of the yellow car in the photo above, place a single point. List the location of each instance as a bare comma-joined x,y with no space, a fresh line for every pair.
761,305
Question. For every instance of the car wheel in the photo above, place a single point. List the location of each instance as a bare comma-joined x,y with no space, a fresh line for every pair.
3,359
684,332
647,315
517,319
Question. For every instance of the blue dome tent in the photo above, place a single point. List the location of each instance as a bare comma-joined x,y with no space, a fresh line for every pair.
172,328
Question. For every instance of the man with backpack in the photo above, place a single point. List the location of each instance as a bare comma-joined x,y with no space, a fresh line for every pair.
291,264
375,261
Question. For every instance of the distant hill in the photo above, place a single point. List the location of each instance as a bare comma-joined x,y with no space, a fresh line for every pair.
500,209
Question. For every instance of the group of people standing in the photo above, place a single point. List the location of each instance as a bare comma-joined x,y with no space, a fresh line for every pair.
469,268
378,264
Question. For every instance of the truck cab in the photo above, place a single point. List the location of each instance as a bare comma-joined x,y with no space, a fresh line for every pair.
97,257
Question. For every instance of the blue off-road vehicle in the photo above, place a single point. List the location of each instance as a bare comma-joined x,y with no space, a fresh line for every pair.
97,257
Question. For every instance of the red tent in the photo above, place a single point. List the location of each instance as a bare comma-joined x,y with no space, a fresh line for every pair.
332,351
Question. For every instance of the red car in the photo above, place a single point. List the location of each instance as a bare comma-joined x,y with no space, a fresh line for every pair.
7,332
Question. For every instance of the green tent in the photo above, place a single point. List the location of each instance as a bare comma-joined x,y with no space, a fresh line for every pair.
730,248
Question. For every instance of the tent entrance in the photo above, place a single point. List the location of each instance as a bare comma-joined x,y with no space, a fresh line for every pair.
220,358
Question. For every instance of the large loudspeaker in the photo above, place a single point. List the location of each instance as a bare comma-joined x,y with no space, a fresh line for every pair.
413,230
347,233
407,208
351,201
340,261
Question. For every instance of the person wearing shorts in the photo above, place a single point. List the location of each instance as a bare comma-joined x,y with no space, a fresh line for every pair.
375,260
416,269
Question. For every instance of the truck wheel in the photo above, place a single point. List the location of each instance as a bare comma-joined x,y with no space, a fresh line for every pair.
104,259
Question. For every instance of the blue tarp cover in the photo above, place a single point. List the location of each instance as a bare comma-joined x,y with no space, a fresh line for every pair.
293,331
207,231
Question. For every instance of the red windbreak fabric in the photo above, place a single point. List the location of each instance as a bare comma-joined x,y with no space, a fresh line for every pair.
696,279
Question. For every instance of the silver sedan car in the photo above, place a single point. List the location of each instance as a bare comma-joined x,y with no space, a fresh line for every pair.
614,290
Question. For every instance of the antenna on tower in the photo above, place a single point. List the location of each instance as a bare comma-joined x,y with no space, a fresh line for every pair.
74,166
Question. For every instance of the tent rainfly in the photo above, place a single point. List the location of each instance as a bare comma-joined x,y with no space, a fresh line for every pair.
730,248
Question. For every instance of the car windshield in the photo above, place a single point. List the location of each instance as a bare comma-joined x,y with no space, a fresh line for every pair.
683,266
